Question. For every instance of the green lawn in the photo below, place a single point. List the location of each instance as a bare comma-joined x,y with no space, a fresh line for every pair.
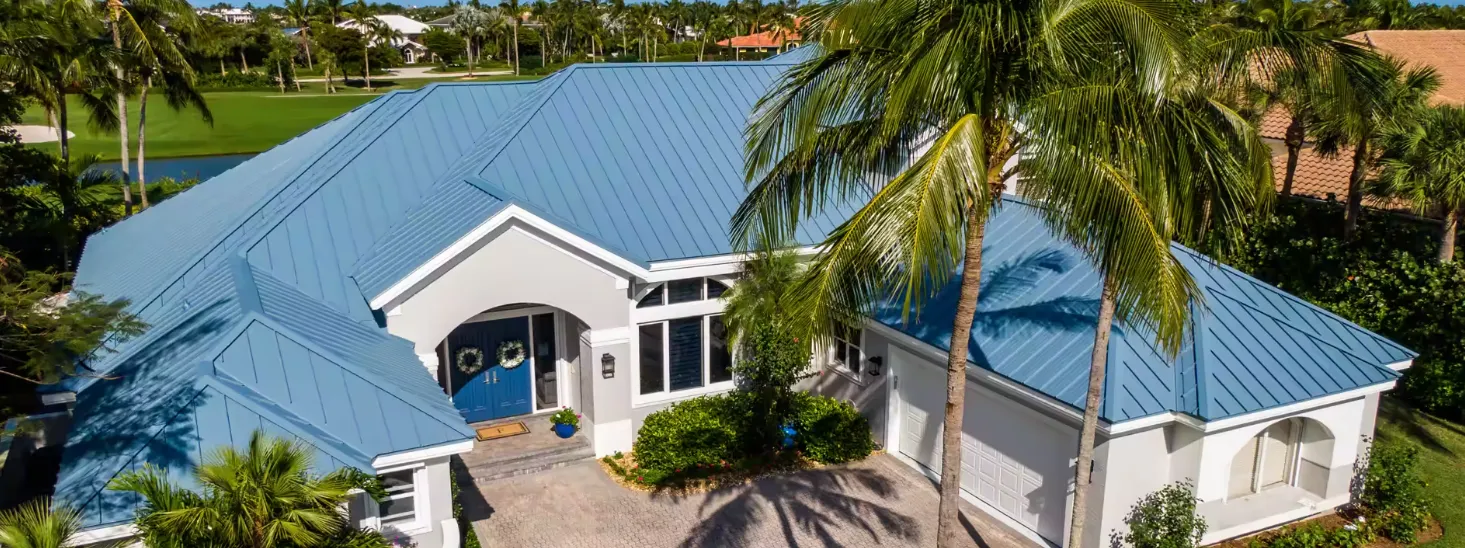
244,121
1442,462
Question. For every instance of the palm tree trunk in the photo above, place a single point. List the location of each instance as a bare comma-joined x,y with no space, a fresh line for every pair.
516,44
242,61
366,60
330,86
948,529
1447,235
221,67
1294,137
1098,362
122,130
1355,189
305,38
61,123
142,123
470,58
280,74
51,116
293,76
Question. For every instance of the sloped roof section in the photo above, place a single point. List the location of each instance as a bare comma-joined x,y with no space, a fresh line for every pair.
245,352
1252,346
645,160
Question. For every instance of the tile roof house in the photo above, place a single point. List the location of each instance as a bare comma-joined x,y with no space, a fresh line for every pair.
335,289
1323,177
767,40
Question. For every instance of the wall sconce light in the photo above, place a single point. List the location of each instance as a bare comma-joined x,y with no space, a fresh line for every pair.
607,365
876,363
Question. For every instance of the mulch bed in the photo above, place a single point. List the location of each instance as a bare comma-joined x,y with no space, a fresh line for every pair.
1337,520
713,479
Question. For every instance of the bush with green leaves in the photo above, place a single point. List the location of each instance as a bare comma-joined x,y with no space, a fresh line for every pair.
1393,491
703,431
1163,519
773,359
1315,536
831,431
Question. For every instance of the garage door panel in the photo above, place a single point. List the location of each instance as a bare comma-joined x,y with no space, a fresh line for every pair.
921,404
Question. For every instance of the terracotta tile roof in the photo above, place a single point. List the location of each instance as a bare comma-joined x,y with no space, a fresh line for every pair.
1442,49
1319,177
1274,123
765,39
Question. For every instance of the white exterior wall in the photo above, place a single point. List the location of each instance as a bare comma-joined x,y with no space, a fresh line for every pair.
1344,420
1132,465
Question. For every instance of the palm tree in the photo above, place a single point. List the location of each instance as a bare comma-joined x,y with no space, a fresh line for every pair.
48,53
261,497
1397,97
1425,164
77,200
35,525
942,97
297,14
156,56
516,13
470,23
334,9
366,22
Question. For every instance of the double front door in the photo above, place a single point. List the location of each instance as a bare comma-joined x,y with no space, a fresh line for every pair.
491,389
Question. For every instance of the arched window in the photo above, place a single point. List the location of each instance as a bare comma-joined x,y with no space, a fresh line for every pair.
1293,452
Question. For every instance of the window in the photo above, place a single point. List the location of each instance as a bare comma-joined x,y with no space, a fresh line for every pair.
1267,460
683,291
683,354
846,354
400,505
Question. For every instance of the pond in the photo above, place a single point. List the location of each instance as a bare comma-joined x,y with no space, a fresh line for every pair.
203,167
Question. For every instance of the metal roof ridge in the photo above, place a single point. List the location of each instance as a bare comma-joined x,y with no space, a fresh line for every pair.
259,404
254,208
1288,324
376,380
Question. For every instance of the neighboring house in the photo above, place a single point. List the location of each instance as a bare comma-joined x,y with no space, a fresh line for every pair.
411,30
1325,177
233,16
334,289
767,40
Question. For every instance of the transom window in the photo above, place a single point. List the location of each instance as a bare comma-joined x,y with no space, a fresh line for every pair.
400,505
683,291
683,354
846,353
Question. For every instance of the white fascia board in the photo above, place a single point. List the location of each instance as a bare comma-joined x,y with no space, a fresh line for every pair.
1292,409
1401,366
468,241
102,534
425,454
713,265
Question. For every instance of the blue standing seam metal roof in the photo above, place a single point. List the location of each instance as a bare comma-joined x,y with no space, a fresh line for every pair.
1251,346
645,160
245,351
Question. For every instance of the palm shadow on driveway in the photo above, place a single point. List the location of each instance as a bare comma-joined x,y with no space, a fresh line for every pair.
814,502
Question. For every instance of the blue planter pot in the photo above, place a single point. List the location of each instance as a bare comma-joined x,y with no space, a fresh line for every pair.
564,430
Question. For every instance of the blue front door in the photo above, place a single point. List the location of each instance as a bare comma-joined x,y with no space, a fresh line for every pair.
495,391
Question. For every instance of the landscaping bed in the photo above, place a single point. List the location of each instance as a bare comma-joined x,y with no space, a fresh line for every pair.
623,469
1333,531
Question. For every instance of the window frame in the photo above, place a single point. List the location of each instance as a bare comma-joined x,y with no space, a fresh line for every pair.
663,292
420,522
1255,474
639,399
857,347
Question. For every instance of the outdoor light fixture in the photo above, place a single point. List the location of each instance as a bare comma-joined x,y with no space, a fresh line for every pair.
876,362
607,365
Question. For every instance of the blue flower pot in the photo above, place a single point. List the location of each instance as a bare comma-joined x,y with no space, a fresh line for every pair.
564,430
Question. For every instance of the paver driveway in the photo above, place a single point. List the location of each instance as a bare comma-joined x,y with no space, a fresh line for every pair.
878,502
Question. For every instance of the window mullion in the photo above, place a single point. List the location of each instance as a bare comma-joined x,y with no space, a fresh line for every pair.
666,357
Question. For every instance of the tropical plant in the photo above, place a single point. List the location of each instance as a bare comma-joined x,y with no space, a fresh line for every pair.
1425,164
35,525
368,24
263,496
1397,96
157,61
902,90
471,24
515,13
297,14
50,336
1163,519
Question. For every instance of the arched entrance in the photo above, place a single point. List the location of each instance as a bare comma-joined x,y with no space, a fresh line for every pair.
505,362
1294,452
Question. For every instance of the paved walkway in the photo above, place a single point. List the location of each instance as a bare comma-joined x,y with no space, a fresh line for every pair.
878,502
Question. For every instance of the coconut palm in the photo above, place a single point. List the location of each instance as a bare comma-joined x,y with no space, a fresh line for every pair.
297,14
155,58
367,23
515,13
941,97
48,53
333,9
263,496
472,24
35,525
1425,164
1397,96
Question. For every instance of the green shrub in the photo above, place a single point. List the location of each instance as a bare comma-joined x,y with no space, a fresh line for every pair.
831,431
701,431
1315,536
1393,491
237,80
1164,519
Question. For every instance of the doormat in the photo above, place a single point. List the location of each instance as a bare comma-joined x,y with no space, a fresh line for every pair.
502,431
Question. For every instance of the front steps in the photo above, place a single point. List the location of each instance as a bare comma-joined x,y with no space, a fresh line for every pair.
537,451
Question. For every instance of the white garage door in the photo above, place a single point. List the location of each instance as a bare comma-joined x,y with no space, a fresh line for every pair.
1011,459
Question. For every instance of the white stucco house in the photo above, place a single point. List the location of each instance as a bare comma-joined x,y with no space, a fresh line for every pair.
411,30
327,289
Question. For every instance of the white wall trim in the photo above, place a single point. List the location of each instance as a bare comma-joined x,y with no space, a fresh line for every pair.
412,456
467,242
511,313
103,534
688,309
1400,366
734,259
607,337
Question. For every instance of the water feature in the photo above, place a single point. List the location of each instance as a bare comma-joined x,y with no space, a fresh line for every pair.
203,167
